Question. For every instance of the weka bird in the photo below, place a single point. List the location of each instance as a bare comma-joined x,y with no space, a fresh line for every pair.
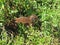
26,20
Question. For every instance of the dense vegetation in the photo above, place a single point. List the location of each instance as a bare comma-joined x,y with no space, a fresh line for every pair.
47,11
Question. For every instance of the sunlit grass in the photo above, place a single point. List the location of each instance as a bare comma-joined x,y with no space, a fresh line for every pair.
48,13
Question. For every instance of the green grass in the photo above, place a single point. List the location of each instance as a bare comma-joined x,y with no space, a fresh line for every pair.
48,11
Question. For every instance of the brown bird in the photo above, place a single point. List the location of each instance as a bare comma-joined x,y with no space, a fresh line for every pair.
26,20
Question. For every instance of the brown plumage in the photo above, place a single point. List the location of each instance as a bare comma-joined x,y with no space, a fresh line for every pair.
26,20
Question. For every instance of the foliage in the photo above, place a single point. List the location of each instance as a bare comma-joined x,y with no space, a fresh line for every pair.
48,11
